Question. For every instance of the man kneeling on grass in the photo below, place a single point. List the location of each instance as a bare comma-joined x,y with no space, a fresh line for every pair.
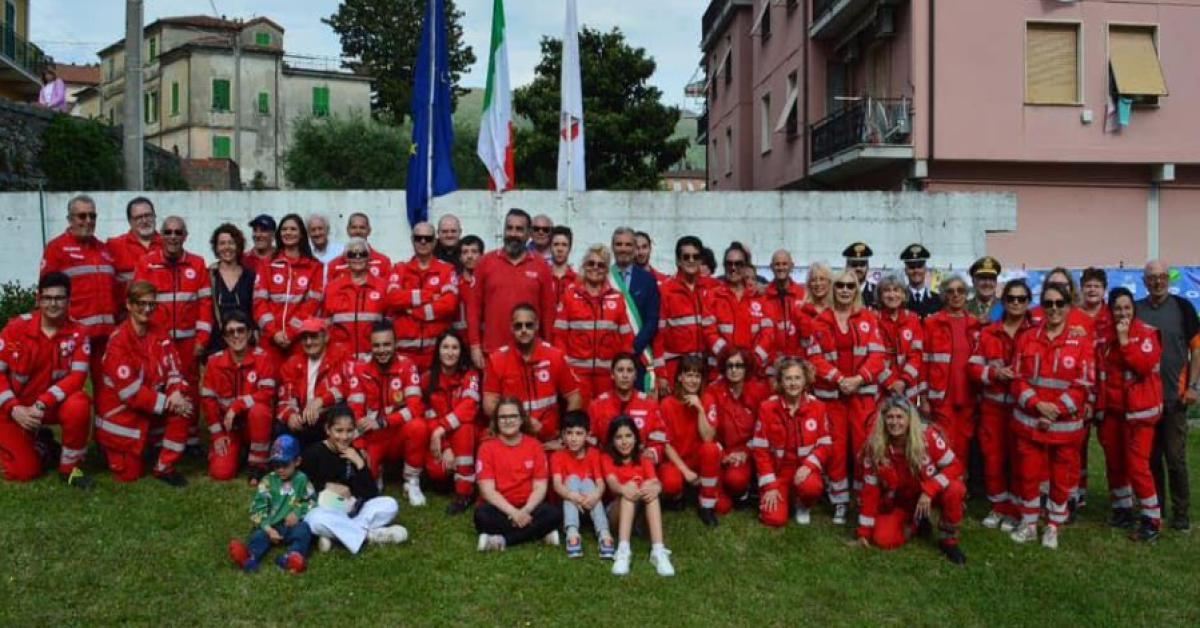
284,496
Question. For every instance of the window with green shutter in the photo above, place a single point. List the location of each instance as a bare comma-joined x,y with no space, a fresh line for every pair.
221,145
220,95
262,39
320,106
264,103
150,107
153,49
175,99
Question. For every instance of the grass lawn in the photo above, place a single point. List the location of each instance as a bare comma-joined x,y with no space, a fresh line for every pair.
148,553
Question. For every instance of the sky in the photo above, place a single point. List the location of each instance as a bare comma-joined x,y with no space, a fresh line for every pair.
73,30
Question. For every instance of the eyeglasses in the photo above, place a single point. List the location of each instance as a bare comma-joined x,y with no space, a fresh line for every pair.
521,326
422,239
357,255
955,291
1054,304
1017,298
734,263
84,216
735,366
689,257
141,217
845,285
593,264
145,305
237,331
538,229
174,232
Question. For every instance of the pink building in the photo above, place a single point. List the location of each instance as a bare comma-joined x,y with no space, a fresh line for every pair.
1085,110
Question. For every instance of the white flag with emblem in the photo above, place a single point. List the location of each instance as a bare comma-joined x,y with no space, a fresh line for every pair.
571,171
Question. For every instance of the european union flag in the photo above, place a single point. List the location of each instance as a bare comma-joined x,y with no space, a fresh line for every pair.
431,175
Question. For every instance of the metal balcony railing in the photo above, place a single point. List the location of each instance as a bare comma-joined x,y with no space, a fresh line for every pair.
702,128
866,121
22,53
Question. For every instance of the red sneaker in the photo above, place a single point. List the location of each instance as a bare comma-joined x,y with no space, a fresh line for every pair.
239,553
296,562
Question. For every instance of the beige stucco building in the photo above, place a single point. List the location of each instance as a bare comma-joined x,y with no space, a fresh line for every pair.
21,62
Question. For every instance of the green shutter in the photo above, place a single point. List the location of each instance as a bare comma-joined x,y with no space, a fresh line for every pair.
146,108
153,49
220,88
220,149
320,102
264,103
175,99
262,39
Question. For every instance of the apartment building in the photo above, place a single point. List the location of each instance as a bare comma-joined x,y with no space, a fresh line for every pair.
21,62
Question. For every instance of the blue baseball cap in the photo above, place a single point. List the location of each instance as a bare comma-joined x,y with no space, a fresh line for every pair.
285,450
263,221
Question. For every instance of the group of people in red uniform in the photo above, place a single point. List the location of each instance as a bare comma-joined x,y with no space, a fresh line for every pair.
765,393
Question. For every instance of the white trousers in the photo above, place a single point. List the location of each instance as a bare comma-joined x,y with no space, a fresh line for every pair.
352,531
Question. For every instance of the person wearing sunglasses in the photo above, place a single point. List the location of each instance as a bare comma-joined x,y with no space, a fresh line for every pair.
144,389
141,240
742,317
849,357
591,326
951,396
540,231
1051,381
561,241
904,338
858,259
238,397
288,290
90,265
423,298
379,265
354,302
738,393
992,368
686,323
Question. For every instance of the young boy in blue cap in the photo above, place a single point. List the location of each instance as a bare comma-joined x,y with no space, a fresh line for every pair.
284,496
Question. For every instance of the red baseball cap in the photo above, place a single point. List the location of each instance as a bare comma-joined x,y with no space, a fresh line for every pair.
312,326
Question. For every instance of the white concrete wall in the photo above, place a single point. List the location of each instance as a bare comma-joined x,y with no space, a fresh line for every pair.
813,225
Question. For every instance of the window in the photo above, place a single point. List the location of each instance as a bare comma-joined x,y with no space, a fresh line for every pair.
175,99
110,67
220,149
765,24
150,107
716,158
764,107
789,118
220,95
264,103
320,103
728,65
1052,63
262,38
153,45
729,151
1133,58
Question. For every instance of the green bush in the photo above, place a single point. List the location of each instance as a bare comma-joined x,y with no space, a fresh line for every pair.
79,154
15,300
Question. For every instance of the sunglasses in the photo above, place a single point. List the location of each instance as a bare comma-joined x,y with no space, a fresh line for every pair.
593,264
1054,304
237,331
423,239
734,263
84,216
1017,298
541,229
173,232
955,290
689,257
357,255
735,366
520,326
845,285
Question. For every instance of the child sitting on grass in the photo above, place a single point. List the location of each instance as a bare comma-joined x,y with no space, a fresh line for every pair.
578,480
631,477
284,496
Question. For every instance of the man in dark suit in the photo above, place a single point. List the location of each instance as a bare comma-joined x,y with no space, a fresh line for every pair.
641,290
858,259
921,299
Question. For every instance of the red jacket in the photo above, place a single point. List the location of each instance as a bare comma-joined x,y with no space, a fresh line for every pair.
501,285
352,310
868,357
455,401
686,323
683,429
140,372
94,289
1057,371
904,340
783,438
391,395
286,292
185,308
424,303
335,382
744,323
793,325
378,265
1131,379
36,368
254,262
591,330
562,284
126,249
538,382
645,414
893,483
995,349
940,349
736,415
228,386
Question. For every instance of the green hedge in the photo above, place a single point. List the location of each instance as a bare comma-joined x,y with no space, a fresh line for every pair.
15,300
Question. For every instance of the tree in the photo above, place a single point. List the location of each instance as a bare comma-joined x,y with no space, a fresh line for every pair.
346,154
79,154
627,128
383,36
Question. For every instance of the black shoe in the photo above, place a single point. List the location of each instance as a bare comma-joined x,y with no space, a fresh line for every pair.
173,478
709,517
1122,518
1181,524
1072,506
196,452
924,528
674,505
77,479
47,448
953,553
1146,533
458,506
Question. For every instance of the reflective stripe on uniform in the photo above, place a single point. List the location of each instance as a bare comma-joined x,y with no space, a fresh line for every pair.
118,430
1056,426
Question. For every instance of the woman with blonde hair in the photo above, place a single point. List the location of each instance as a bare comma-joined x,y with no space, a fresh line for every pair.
908,470
817,288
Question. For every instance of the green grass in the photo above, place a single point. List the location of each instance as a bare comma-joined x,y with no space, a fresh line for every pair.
147,553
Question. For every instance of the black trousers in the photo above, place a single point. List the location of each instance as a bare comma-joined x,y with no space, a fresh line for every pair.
489,520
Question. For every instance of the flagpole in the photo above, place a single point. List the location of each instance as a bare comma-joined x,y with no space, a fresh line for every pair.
432,91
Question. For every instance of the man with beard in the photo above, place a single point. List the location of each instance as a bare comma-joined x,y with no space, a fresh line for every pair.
645,246
640,289
141,239
503,279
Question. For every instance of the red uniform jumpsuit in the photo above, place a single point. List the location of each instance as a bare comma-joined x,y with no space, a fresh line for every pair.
248,389
704,458
454,406
836,355
997,349
891,491
1102,332
286,291
564,283
736,415
140,373
686,326
743,323
792,322
1132,399
394,412
645,413
538,382
351,310
378,265
126,249
466,292
94,290
590,331
500,285
785,440
424,303
51,370
949,345
1055,371
334,383
904,339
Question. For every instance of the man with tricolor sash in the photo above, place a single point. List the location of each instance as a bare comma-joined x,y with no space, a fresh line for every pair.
640,290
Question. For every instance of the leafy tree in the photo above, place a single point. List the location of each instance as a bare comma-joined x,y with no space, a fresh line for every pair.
79,154
627,128
383,36
346,154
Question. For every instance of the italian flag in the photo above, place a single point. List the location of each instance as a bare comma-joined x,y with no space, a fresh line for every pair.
495,145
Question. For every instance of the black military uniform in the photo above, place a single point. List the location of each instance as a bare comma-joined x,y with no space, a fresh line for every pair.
922,300
858,255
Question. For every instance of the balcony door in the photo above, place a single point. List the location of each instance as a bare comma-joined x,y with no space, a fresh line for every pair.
10,30
836,84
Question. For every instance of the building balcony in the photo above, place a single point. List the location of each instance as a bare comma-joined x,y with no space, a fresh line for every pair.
21,64
702,128
866,134
717,17
833,19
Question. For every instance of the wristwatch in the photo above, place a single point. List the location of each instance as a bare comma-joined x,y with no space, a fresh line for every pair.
40,406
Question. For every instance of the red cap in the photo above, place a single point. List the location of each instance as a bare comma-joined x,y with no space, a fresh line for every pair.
312,326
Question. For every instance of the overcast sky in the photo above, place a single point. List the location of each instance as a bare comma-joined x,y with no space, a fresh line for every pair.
73,30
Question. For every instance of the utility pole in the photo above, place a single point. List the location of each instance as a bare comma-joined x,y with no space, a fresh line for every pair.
132,126
237,99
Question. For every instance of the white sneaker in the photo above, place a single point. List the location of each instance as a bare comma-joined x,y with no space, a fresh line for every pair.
992,520
551,538
1024,533
490,543
388,534
412,488
324,544
661,559
482,545
621,562
839,515
1008,524
803,517
1050,537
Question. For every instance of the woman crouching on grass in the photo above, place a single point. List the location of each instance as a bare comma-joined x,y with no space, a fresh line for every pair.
631,477
512,475
907,471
